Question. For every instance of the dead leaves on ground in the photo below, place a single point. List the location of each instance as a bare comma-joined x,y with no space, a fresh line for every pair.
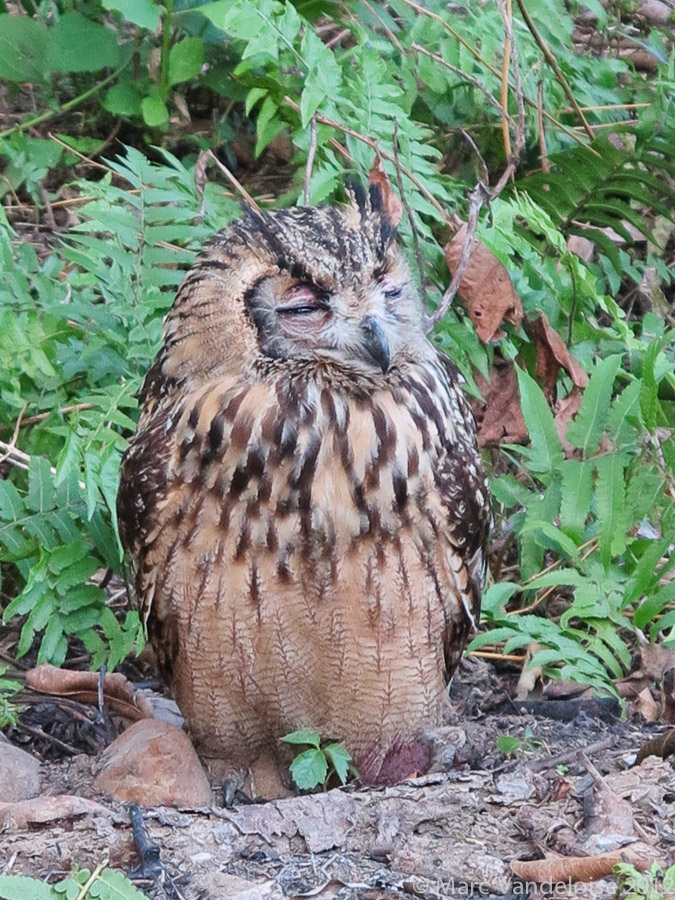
118,692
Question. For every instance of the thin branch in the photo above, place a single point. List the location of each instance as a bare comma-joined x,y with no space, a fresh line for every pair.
71,104
483,165
310,160
40,417
411,219
551,60
87,159
432,15
481,192
21,460
543,149
233,181
519,139
506,15
501,109
477,198
373,144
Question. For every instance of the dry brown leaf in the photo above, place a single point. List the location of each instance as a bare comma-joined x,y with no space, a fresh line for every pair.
486,288
390,201
663,746
502,419
42,810
558,690
646,706
656,659
668,695
529,676
118,692
552,353
583,868
564,411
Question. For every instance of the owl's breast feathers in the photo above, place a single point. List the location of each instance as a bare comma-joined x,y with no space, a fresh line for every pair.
288,474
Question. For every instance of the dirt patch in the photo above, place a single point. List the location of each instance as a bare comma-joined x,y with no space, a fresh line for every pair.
453,831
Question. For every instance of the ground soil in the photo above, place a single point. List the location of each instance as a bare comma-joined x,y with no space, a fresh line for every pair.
448,833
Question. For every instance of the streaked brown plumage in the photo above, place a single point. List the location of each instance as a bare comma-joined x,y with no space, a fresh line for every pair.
303,501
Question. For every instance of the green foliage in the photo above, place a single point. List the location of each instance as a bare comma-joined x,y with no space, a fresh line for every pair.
315,766
654,884
8,687
101,884
602,512
75,348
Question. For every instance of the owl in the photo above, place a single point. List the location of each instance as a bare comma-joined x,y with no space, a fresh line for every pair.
303,502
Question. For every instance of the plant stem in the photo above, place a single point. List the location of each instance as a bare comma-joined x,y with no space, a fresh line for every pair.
71,104
166,48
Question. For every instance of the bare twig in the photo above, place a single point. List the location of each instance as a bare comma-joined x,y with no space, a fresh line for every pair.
543,150
551,60
485,174
89,161
432,15
477,198
311,153
411,219
519,138
500,107
21,460
233,181
40,417
481,192
570,755
505,10
373,144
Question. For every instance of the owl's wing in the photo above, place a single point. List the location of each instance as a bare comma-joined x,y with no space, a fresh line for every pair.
464,491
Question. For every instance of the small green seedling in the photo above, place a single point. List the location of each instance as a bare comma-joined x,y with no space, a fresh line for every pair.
8,711
315,766
654,884
508,745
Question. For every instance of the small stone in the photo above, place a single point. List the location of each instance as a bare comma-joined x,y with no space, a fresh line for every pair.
19,774
153,763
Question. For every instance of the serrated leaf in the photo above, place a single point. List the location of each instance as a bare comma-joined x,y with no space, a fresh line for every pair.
545,453
309,769
40,497
21,887
496,597
585,430
303,736
610,492
340,758
577,492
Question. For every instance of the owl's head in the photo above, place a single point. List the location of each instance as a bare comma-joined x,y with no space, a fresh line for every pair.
324,283
342,290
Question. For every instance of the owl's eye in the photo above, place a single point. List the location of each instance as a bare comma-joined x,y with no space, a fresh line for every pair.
301,300
390,288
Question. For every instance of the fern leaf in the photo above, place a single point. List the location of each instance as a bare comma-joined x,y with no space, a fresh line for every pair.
585,431
610,493
577,490
545,453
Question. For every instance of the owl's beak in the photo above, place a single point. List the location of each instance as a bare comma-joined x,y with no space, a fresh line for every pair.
375,343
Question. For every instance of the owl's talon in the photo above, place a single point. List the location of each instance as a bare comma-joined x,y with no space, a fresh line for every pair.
233,791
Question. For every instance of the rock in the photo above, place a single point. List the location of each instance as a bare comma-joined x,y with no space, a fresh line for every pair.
19,773
153,763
